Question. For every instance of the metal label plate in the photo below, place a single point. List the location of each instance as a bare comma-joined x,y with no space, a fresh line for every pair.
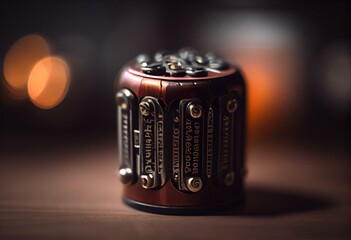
228,105
151,130
126,115
209,142
192,157
175,143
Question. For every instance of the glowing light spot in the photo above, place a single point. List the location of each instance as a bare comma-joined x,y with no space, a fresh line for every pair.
19,61
48,82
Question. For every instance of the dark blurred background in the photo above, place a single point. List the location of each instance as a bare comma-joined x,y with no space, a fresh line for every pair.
295,55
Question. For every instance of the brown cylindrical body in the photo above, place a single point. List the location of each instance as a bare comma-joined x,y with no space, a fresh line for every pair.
181,136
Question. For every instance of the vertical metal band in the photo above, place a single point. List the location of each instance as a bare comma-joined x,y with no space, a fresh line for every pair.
151,130
192,158
228,105
209,142
126,112
176,143
204,142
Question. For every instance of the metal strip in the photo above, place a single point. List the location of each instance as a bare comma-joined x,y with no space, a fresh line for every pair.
192,161
209,145
227,145
176,143
125,115
151,130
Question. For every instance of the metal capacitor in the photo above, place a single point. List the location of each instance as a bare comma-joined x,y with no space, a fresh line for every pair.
181,124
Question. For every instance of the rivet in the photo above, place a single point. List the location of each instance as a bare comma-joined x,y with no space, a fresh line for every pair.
121,101
125,175
232,105
194,184
147,181
144,108
229,179
195,110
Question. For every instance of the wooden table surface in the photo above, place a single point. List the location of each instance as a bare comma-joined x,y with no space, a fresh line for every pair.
74,193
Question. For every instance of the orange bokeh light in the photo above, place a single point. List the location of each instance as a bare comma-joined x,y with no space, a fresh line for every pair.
19,61
271,85
48,82
262,97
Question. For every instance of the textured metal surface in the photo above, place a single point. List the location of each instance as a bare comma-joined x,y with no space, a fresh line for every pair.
192,156
179,64
227,139
151,129
125,115
176,142
209,142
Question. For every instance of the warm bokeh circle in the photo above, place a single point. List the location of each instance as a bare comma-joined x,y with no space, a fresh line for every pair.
48,82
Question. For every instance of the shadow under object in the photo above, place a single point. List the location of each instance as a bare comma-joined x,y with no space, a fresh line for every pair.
266,201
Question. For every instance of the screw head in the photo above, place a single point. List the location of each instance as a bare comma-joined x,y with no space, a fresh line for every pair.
147,181
202,60
175,65
232,105
121,101
125,175
194,184
195,110
144,108
229,179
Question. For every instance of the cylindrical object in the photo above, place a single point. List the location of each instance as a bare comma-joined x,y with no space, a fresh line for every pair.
181,121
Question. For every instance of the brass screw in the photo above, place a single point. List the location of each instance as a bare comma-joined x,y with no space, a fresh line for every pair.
175,65
144,108
147,181
229,179
195,110
121,100
194,184
232,105
125,175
